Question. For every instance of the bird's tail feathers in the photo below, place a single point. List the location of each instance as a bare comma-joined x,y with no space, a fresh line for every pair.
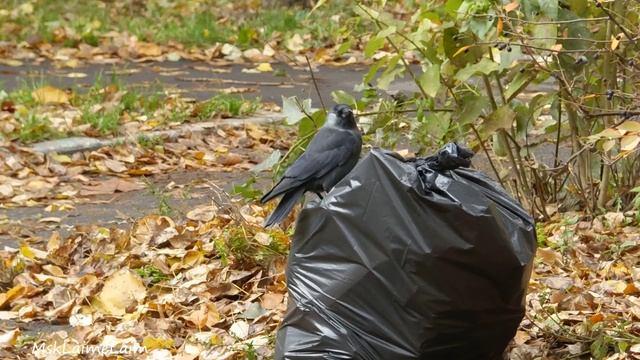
271,194
284,207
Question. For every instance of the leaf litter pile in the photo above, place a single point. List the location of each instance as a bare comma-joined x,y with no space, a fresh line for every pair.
210,287
209,284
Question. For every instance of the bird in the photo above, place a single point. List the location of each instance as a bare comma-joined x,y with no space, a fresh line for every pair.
332,153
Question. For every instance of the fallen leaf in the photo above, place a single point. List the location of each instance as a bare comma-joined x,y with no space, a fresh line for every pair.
202,213
120,292
50,95
264,67
630,126
110,186
511,6
629,142
230,159
271,300
9,338
146,49
295,43
11,62
240,329
115,165
75,75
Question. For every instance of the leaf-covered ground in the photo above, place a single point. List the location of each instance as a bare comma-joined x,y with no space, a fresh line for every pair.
209,283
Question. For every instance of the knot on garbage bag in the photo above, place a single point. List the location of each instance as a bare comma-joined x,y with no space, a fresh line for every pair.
450,157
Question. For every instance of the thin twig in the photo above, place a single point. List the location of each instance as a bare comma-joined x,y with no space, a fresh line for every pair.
315,83
544,22
613,19
404,111
400,53
570,159
559,51
486,152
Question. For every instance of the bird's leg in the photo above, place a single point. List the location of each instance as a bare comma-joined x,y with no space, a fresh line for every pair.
319,195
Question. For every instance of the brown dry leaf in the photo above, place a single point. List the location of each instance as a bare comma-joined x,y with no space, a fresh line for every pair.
629,142
616,287
271,300
549,256
145,49
255,55
511,6
203,213
115,165
230,159
206,315
121,291
521,337
110,186
6,191
50,95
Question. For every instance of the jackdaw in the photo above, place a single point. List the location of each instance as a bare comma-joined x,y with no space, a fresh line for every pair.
331,155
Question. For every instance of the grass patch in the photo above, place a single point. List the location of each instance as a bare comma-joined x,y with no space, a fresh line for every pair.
151,274
36,128
201,24
149,142
226,106
105,121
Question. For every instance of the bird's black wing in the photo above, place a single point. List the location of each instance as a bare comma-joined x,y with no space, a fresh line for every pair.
329,149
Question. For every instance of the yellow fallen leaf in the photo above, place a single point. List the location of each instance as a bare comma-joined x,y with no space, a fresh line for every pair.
264,67
462,49
608,145
629,126
148,49
27,252
511,6
61,158
556,47
50,95
11,62
629,142
608,133
615,40
152,343
9,338
120,292
13,293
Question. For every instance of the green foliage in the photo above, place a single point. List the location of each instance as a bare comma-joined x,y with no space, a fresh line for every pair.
225,105
247,190
105,121
164,208
477,60
151,274
193,23
36,128
149,142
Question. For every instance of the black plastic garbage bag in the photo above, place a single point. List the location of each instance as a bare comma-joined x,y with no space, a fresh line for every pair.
408,259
